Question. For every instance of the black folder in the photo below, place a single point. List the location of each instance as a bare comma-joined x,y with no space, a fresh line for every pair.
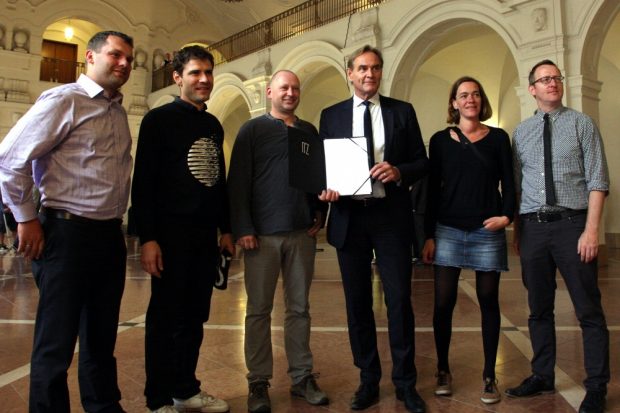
306,161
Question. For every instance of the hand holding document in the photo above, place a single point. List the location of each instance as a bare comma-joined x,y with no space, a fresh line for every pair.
340,164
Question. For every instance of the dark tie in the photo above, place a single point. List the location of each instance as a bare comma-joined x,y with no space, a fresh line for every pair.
549,186
368,133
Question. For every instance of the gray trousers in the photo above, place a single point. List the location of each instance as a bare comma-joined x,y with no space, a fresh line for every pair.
293,254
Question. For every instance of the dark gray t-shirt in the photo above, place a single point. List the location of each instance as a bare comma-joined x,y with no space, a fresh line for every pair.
262,202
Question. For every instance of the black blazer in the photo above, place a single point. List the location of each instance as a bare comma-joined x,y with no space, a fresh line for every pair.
404,149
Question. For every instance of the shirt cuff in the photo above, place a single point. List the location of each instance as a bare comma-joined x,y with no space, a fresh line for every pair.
24,213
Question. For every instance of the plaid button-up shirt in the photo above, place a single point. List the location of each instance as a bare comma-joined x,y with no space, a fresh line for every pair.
578,156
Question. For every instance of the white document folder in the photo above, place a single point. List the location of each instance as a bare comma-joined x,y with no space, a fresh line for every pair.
346,166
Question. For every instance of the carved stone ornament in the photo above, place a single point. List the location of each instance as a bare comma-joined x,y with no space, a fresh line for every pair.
539,19
140,59
20,40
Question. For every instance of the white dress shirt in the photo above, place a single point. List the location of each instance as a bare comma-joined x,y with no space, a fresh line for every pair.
378,133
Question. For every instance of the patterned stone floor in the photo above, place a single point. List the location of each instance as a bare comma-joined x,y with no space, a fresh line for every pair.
222,369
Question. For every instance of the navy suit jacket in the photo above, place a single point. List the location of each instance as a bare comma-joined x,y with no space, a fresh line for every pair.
404,149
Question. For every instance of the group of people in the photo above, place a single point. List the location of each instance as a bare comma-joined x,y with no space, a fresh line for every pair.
552,182
74,145
555,176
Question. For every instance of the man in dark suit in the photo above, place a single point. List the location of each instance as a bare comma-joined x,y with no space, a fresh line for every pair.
381,222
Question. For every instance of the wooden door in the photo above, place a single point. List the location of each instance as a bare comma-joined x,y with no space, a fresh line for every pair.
59,61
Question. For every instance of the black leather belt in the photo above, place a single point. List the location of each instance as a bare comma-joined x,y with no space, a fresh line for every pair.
552,216
68,216
366,202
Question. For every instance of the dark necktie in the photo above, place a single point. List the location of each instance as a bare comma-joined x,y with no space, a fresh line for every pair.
549,186
368,133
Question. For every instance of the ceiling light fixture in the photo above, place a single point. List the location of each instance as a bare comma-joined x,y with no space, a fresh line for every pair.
69,31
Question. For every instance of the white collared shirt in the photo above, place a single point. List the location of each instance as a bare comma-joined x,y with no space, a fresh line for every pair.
378,133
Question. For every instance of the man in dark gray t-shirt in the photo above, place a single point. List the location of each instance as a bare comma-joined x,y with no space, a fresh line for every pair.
276,226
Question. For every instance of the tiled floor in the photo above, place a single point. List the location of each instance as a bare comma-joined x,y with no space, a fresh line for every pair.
222,369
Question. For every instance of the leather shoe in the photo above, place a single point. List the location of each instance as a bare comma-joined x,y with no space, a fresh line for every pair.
532,386
365,396
594,402
413,401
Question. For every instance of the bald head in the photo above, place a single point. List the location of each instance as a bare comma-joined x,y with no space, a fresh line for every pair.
280,73
283,91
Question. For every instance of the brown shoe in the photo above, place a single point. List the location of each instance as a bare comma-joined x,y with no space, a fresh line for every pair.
444,384
490,393
309,390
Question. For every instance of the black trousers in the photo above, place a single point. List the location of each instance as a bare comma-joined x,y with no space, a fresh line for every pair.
180,304
81,277
546,247
374,227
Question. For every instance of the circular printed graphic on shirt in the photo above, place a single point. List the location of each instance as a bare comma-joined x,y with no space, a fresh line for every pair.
203,161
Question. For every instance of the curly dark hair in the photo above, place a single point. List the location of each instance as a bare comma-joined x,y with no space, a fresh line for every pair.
188,53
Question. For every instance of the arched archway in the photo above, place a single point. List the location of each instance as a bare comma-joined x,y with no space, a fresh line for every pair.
63,49
599,26
227,86
447,51
101,15
420,33
320,67
230,102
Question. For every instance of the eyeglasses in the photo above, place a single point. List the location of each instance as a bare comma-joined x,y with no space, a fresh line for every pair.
545,80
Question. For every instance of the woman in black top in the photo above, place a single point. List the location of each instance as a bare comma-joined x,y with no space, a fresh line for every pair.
465,220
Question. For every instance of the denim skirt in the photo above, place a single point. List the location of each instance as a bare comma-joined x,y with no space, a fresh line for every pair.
479,250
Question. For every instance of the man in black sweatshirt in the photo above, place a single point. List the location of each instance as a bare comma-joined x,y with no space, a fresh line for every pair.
180,202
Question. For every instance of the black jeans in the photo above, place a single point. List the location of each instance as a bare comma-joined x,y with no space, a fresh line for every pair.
180,304
81,277
546,247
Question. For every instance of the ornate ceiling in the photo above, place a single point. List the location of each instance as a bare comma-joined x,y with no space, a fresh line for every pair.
210,20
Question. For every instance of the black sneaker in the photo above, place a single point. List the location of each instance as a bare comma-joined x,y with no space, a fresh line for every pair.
594,402
258,397
444,384
309,390
532,386
490,392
